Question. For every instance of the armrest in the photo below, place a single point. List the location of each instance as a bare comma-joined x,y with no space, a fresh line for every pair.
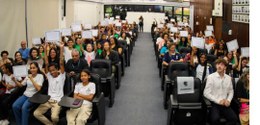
168,80
39,98
174,102
110,77
68,102
207,102
190,106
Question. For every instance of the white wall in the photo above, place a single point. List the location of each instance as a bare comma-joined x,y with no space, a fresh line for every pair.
88,12
148,18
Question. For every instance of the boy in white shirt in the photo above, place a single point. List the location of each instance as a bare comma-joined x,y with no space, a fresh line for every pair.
85,91
56,81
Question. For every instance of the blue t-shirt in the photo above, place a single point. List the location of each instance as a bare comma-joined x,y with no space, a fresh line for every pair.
163,50
25,53
167,57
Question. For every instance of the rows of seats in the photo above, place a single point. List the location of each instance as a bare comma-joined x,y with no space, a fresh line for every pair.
186,108
106,81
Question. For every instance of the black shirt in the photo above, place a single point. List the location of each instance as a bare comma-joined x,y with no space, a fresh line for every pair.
77,67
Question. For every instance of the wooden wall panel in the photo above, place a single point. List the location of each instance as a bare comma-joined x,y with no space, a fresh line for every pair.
203,13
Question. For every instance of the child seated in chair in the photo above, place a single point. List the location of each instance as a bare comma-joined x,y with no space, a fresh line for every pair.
85,91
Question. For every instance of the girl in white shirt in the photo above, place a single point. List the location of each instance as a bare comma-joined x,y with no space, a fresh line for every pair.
85,91
89,54
33,83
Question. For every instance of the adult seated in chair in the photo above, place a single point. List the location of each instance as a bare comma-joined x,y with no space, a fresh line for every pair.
171,56
75,65
110,55
56,79
33,83
10,95
24,50
84,90
219,90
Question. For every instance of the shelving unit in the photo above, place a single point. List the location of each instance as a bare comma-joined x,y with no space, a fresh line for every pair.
240,11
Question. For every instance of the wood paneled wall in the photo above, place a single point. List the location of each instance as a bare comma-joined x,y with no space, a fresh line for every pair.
203,13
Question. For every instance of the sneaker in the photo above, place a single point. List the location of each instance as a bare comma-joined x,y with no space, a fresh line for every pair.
5,122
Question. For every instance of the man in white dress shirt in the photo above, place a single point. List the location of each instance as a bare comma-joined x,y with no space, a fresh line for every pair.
219,90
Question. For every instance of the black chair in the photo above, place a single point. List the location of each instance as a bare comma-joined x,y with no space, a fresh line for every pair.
123,56
118,73
126,51
175,69
186,105
235,104
98,112
184,50
103,68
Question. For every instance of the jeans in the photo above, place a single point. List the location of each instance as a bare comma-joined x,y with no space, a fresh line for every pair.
21,109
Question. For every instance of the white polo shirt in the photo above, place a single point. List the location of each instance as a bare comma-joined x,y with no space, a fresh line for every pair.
55,89
90,88
218,88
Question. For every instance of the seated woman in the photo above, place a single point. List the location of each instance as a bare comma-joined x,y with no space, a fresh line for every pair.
35,57
5,59
89,54
171,56
232,61
115,46
18,59
110,55
8,81
220,50
202,69
84,90
242,66
183,42
33,83
242,90
52,56
124,37
99,49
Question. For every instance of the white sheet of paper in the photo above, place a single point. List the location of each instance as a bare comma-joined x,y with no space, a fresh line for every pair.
52,36
180,24
87,26
87,34
232,45
198,42
130,32
104,23
66,32
76,27
20,71
166,18
160,25
185,85
172,20
94,32
36,41
184,33
209,28
123,21
208,33
111,18
117,17
118,24
169,25
245,51
174,29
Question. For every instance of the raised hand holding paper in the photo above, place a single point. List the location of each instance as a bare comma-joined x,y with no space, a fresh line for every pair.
174,29
232,45
209,28
184,33
198,42
66,32
36,41
52,36
76,27
245,51
208,33
87,34
94,33
87,26
20,71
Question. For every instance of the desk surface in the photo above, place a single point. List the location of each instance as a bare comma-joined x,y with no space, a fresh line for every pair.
68,102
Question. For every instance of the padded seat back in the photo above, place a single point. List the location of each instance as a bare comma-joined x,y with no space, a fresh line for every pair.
178,69
122,43
95,78
102,67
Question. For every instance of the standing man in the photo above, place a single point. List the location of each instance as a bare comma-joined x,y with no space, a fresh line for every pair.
219,90
141,23
24,50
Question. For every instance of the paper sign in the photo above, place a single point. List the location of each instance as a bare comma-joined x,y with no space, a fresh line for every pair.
87,34
160,25
52,36
172,20
198,42
208,33
104,23
112,18
107,14
166,18
184,33
169,25
94,33
209,28
180,24
185,85
117,17
245,51
232,45
36,41
123,21
76,27
118,24
87,26
20,71
174,29
66,32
